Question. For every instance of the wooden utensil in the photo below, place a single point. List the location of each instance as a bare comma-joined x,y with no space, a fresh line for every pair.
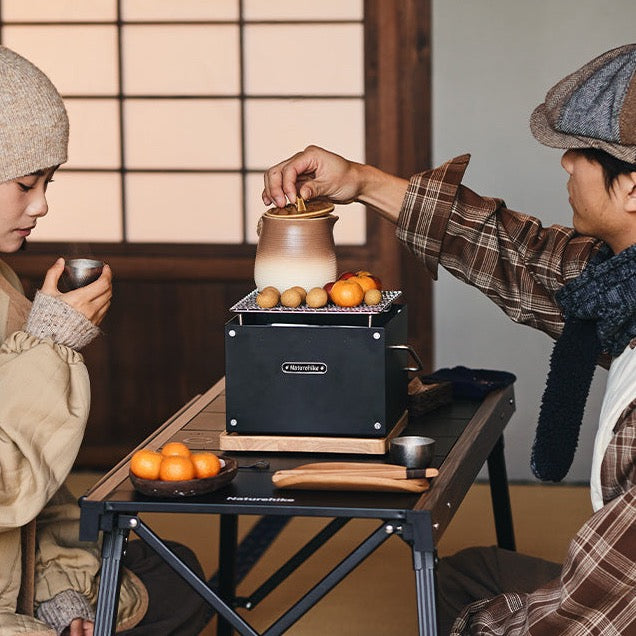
316,480
354,476
388,471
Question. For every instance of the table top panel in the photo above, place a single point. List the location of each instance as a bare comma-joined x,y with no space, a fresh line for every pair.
465,431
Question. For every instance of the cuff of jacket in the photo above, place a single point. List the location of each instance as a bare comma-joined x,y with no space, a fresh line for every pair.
426,208
63,608
52,318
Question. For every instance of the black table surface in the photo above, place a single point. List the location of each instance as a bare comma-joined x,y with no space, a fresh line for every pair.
465,432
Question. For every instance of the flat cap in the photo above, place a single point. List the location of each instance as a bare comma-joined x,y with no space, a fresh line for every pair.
594,107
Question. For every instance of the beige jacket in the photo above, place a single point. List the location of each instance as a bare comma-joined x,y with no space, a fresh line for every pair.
44,404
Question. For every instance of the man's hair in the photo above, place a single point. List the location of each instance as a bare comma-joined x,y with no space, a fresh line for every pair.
611,166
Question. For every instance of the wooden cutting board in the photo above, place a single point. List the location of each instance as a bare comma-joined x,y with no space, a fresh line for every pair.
239,442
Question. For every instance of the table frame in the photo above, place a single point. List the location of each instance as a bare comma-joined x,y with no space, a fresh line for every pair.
420,524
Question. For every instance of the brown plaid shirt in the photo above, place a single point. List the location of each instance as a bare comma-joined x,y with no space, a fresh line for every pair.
520,265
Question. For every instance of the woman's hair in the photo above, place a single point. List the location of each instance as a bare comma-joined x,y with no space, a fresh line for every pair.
611,166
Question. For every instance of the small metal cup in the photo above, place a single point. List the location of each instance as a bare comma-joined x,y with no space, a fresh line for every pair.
412,451
79,272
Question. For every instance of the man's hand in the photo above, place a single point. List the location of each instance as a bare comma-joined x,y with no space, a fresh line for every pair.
79,627
93,300
315,172
312,173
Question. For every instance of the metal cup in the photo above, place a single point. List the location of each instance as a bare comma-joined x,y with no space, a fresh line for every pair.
79,272
412,451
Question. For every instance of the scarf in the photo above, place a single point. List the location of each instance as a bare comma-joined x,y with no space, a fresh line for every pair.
599,307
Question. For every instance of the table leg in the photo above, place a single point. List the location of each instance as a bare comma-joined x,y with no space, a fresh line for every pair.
419,534
228,533
108,596
500,496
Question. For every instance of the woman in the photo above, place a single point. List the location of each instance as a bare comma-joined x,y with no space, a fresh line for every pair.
48,579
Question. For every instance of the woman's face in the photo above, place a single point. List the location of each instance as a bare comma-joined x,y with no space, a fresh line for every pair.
22,202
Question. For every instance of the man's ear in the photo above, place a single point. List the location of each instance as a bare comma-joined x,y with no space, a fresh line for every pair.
630,201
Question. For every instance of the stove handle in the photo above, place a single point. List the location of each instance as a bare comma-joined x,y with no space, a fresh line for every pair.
412,351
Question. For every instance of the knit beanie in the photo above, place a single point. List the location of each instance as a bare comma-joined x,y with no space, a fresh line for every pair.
33,120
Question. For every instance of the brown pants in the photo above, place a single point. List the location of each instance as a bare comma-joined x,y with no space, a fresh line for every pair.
174,607
478,573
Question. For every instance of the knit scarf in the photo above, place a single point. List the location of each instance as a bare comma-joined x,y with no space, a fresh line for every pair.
599,308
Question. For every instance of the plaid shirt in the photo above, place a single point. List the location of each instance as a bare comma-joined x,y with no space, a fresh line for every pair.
520,265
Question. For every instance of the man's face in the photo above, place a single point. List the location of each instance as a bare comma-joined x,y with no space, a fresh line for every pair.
22,201
593,206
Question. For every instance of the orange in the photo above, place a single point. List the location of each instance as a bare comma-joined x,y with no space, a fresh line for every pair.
176,468
347,293
366,282
175,448
206,464
145,463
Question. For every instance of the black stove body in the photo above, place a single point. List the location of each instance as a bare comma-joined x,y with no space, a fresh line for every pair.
329,374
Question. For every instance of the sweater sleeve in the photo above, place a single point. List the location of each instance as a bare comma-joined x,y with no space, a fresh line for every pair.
61,610
53,318
43,411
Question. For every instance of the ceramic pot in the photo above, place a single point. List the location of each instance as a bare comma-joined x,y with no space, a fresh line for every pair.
295,251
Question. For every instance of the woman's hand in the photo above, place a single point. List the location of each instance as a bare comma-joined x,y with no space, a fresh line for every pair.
312,173
79,627
92,300
315,172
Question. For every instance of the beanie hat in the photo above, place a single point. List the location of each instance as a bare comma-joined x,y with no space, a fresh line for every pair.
33,120
594,107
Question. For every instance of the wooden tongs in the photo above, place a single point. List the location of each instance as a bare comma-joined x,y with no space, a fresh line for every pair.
355,476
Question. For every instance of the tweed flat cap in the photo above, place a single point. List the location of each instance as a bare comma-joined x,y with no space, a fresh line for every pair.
594,107
33,120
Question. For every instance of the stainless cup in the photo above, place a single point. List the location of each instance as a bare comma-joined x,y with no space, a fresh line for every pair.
412,451
79,272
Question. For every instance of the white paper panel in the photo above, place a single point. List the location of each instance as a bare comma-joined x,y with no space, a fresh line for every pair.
181,59
184,208
82,208
303,10
304,59
180,9
94,133
182,134
79,60
276,129
58,10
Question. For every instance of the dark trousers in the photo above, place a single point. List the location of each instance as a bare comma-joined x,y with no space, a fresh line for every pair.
174,609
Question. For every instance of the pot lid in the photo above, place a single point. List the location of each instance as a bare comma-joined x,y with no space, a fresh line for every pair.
302,209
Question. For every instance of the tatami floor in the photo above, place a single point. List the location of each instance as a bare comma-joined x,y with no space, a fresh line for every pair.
378,598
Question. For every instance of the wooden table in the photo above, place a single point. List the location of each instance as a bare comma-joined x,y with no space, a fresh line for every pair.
469,433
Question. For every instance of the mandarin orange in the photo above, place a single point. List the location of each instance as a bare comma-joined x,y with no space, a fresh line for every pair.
175,448
366,282
145,463
206,464
346,293
176,468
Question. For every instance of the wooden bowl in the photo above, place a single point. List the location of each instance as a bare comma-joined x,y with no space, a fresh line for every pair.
188,487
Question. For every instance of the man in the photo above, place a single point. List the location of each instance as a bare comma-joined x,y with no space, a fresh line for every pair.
576,284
